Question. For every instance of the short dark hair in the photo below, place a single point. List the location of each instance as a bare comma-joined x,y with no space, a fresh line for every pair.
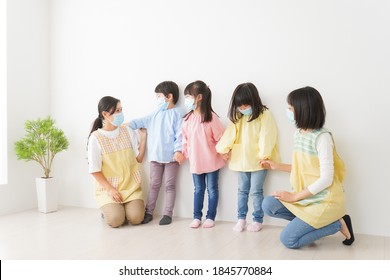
245,94
309,108
168,87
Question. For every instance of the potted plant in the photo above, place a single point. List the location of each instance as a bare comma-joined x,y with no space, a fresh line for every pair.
41,144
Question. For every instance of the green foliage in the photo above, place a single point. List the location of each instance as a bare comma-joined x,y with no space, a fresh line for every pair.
41,143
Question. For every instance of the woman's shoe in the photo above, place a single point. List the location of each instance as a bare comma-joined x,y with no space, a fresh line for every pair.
348,222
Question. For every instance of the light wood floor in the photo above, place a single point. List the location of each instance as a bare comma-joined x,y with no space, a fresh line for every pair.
80,234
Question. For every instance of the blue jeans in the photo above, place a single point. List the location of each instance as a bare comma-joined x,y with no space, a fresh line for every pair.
297,233
200,182
251,182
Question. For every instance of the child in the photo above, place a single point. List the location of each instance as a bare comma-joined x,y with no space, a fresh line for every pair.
315,207
201,130
250,138
164,148
114,154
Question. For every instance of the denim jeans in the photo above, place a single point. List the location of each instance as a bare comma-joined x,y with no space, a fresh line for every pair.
200,182
297,233
251,182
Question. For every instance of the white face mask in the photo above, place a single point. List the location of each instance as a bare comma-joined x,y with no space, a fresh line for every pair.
161,103
189,103
290,115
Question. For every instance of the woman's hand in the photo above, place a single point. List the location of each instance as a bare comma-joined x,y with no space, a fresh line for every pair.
285,196
116,196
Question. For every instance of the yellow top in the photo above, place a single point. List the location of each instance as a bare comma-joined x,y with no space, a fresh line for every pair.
119,167
250,142
326,206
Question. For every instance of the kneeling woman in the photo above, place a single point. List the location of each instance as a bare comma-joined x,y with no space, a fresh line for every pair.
114,154
315,207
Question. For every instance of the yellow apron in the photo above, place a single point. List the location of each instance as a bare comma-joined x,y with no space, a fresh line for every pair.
326,206
119,167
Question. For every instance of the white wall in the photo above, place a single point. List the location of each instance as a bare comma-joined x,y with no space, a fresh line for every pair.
124,48
28,94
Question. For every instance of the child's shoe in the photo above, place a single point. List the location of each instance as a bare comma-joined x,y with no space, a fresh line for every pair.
254,227
195,223
240,225
147,218
165,220
208,223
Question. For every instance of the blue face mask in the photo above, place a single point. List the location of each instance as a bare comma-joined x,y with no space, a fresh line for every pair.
161,103
290,115
246,112
189,103
118,119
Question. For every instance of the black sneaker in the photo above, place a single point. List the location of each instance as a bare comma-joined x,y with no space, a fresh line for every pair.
147,218
165,220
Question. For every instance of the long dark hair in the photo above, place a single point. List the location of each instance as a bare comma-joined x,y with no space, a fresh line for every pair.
106,104
309,108
194,89
245,94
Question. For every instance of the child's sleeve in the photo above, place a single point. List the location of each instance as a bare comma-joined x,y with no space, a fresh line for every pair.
227,140
217,128
268,135
177,145
140,123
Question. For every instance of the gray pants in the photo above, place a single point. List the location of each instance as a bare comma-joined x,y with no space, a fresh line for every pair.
157,170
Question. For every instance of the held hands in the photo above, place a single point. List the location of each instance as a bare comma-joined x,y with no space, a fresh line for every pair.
268,164
226,156
179,157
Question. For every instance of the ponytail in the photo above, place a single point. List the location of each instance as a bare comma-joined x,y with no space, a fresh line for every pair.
98,123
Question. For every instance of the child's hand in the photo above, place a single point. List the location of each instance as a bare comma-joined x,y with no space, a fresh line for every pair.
226,156
179,157
268,164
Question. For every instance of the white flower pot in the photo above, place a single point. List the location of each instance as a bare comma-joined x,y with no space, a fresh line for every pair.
47,195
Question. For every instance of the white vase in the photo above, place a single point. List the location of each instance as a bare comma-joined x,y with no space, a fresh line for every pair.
47,195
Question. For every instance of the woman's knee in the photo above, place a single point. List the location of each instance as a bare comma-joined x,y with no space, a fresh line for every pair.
135,211
114,214
115,220
288,241
268,205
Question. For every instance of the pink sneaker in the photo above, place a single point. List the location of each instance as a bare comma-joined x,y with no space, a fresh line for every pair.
195,223
208,223
254,227
240,225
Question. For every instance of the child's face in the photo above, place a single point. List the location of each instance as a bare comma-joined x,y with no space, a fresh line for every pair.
244,107
168,98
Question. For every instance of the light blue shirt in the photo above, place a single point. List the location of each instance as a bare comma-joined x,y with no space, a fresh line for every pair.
164,133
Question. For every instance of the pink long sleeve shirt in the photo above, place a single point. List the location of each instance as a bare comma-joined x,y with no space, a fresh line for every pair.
199,140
